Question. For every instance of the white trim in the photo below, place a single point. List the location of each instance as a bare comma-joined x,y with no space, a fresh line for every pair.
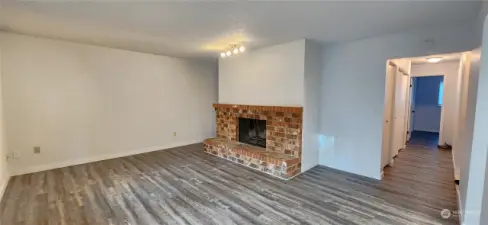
3,187
33,169
460,206
377,177
429,130
458,193
441,125
304,168
392,162
456,175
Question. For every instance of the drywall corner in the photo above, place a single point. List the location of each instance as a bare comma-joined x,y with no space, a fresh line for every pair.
3,184
311,110
4,172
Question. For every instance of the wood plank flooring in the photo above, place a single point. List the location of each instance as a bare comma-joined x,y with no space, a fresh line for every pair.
186,186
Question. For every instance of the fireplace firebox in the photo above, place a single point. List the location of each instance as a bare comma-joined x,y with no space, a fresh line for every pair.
252,131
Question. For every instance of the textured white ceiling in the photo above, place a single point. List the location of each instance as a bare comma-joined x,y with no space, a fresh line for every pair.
204,28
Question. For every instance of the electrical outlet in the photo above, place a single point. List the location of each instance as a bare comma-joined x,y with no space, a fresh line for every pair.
37,150
12,156
9,156
174,133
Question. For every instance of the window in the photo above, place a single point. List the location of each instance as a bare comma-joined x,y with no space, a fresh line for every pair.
441,93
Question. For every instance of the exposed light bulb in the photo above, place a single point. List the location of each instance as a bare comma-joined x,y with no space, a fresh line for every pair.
222,54
235,51
228,53
434,60
242,49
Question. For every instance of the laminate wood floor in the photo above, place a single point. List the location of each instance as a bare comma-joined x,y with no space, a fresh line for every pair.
186,186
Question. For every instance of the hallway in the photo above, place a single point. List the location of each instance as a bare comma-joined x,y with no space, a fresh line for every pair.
422,178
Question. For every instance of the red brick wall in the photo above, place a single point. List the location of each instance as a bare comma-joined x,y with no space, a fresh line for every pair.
283,125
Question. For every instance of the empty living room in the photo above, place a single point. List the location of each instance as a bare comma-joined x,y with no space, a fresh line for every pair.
240,112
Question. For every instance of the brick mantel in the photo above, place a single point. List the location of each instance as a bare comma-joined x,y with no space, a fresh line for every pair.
292,109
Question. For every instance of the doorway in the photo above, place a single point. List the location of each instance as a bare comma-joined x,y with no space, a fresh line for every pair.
426,110
421,103
395,110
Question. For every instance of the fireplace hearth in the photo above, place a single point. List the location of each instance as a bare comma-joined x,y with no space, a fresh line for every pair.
252,131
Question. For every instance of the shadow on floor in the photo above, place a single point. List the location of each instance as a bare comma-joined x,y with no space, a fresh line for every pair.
425,139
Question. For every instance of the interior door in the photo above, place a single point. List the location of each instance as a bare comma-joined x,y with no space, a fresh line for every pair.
387,122
411,118
407,109
399,112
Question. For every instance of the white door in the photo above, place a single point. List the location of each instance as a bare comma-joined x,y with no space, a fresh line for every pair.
387,120
411,118
399,113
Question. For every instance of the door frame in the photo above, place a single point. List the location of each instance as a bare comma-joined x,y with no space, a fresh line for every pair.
401,133
396,73
441,122
386,150
411,107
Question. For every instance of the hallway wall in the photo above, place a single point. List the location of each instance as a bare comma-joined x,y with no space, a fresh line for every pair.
353,92
4,171
473,139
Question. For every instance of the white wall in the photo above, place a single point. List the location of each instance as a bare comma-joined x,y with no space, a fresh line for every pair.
474,130
268,76
353,84
473,190
450,71
313,72
82,103
4,173
464,128
484,201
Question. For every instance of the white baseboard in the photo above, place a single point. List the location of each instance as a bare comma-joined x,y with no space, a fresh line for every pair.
3,186
460,207
376,177
305,168
428,130
56,165
456,174
392,162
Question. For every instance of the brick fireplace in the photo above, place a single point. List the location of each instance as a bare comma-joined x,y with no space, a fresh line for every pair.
283,127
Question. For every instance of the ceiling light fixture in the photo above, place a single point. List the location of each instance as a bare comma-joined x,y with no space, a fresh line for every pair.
434,59
233,50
